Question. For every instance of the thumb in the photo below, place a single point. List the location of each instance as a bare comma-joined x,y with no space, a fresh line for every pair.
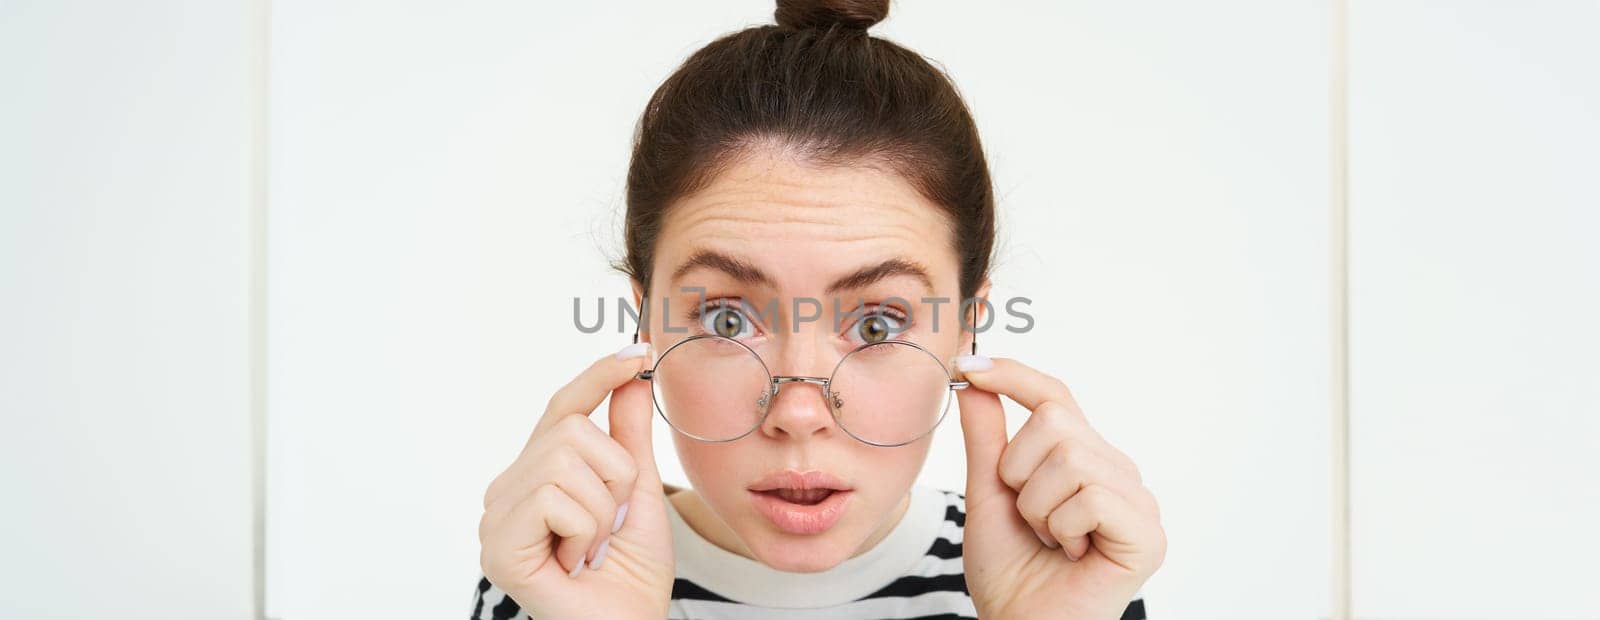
630,414
983,429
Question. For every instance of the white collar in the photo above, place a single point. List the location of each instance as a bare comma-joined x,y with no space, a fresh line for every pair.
749,581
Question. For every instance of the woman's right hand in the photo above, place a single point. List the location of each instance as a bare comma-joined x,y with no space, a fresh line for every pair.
547,528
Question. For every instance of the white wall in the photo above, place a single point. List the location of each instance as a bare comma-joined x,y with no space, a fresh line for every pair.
445,179
124,310
1475,150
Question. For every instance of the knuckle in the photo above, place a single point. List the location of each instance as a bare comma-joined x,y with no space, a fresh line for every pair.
1064,457
630,472
1126,464
546,494
1009,470
1069,417
570,430
1057,525
574,426
1068,459
1096,497
1081,450
566,461
567,425
1030,510
1058,384
559,399
1054,418
492,492
486,563
588,528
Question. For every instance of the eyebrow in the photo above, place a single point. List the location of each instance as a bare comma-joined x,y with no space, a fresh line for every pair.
736,268
744,272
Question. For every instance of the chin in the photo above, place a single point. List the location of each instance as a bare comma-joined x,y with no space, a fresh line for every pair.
801,554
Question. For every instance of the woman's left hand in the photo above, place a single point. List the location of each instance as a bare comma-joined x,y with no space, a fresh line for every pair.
1059,522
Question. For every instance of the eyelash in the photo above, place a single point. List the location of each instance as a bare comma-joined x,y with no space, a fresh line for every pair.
712,305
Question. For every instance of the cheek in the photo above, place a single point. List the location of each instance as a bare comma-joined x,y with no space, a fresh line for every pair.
715,470
892,470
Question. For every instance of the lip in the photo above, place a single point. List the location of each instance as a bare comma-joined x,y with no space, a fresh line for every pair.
792,479
801,518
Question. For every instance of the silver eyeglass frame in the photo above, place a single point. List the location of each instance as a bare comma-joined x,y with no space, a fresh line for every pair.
775,382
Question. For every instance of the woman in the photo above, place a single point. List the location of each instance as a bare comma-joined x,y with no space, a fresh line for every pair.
809,160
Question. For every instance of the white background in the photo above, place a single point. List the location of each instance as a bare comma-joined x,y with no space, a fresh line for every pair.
443,178
125,462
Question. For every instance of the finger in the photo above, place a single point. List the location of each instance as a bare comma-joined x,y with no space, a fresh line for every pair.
572,435
1098,510
583,485
546,512
1063,414
1052,423
609,460
1046,426
631,412
1021,383
983,430
1063,473
583,393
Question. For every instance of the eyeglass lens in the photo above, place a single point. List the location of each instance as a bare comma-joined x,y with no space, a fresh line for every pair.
886,393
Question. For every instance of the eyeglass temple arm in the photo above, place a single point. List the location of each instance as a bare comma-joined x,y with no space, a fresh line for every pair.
642,305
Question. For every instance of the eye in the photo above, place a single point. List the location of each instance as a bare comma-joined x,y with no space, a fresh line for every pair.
878,327
728,321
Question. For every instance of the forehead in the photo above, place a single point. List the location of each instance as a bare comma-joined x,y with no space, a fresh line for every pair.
805,224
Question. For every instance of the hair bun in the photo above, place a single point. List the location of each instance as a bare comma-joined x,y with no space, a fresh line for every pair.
857,14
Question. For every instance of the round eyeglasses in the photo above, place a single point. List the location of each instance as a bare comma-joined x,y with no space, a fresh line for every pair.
717,389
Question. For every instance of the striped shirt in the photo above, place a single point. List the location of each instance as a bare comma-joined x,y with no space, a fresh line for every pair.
913,572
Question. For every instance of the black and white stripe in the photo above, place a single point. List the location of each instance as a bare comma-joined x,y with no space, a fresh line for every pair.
934,588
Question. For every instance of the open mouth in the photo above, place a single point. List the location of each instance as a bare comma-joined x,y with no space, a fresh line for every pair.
804,497
801,502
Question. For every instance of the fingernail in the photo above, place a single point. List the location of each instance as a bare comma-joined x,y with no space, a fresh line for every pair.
600,554
974,363
576,569
622,511
633,350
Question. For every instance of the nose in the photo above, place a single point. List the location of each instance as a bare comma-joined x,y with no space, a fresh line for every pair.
799,409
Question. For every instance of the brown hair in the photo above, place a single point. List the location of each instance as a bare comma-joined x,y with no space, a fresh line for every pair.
819,85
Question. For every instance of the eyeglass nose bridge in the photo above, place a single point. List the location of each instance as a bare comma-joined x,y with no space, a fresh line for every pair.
779,380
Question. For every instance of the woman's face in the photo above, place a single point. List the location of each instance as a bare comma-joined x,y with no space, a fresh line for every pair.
767,231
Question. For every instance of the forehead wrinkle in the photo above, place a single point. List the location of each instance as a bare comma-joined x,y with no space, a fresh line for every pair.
764,214
834,211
